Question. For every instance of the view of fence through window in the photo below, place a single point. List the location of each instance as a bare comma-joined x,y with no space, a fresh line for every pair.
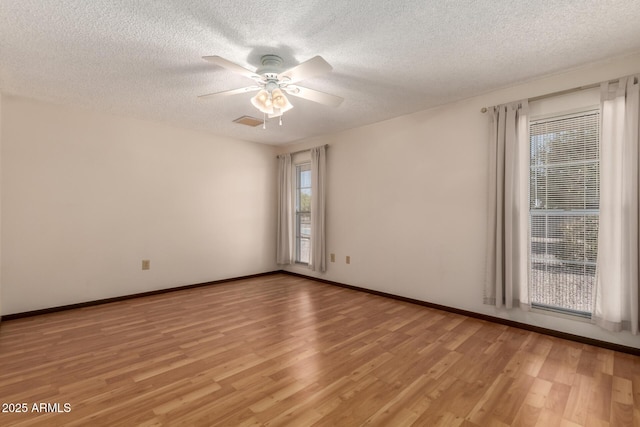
564,211
303,212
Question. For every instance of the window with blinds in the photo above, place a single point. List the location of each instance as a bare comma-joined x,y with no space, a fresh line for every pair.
564,208
303,212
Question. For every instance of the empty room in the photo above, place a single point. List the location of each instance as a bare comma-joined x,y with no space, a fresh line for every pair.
306,213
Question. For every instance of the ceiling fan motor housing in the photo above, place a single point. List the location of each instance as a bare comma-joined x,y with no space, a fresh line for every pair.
271,66
271,85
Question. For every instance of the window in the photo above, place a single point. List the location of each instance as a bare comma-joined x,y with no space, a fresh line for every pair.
303,212
563,211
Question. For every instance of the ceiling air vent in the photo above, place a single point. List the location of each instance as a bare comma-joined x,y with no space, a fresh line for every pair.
248,121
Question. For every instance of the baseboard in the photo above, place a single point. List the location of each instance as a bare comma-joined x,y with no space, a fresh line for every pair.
564,335
130,296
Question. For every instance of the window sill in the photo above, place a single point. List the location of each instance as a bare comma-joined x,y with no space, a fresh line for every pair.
561,314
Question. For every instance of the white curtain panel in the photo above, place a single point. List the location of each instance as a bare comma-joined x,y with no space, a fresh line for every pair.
616,302
284,238
508,223
318,258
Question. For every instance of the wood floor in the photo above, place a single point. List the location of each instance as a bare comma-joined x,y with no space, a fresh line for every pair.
281,350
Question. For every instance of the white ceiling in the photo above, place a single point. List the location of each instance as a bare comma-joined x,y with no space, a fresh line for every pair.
143,58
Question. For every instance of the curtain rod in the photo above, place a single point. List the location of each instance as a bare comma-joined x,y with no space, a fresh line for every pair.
560,92
308,149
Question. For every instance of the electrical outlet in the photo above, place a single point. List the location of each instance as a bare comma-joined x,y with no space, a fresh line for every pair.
333,257
348,259
146,264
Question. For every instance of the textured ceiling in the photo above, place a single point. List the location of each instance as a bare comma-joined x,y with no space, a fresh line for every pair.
143,58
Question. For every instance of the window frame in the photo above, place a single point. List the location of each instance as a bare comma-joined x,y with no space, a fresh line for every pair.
299,213
547,214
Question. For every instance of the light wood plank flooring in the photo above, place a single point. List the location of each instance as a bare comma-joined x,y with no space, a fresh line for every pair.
282,350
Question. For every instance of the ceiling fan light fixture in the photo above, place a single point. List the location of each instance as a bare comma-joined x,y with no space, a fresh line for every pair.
262,101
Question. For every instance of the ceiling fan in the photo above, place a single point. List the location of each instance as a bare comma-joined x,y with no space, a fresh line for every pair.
271,82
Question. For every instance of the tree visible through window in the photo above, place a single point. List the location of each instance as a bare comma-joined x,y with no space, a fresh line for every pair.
564,210
303,212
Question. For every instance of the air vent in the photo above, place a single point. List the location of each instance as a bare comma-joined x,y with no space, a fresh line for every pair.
248,121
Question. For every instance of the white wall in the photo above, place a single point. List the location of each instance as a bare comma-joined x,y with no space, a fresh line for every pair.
87,196
407,201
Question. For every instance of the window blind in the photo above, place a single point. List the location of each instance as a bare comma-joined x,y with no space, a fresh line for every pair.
564,207
303,212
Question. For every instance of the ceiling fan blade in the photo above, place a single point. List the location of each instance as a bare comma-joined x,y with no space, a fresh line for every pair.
313,67
314,95
231,66
230,92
